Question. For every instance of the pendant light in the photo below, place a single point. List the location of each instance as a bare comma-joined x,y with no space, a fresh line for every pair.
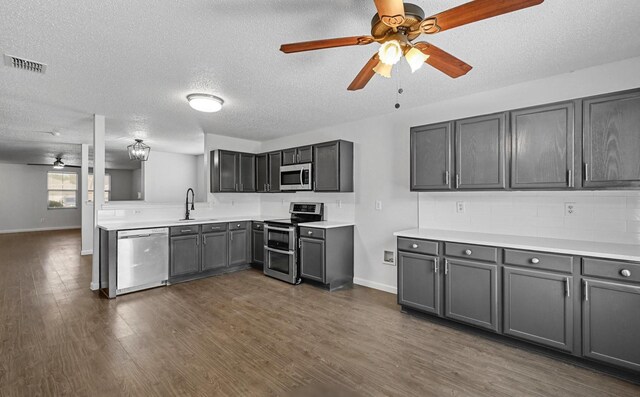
138,151
58,164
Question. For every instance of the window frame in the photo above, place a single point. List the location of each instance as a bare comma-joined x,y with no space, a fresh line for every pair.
75,207
107,192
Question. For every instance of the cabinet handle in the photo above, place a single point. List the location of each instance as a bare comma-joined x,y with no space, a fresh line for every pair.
446,267
586,291
457,181
436,266
204,240
268,187
185,230
300,244
586,171
414,246
625,273
468,252
236,187
197,240
231,236
535,261
568,287
570,177
446,178
309,232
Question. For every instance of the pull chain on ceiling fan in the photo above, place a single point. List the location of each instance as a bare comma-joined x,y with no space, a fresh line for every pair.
398,24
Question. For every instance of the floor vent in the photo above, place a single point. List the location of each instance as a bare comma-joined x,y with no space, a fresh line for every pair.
24,64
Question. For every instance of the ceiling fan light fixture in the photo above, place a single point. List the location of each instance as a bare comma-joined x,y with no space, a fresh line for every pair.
205,102
390,52
415,58
58,164
383,69
138,151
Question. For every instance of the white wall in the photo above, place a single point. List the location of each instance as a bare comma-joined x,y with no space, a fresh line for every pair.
23,200
382,168
167,176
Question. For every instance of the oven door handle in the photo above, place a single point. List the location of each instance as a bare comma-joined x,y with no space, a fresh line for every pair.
280,229
279,251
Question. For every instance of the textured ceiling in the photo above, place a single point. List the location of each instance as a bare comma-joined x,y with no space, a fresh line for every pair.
135,61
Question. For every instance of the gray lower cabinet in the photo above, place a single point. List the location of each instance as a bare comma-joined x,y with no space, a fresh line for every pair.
542,147
471,293
611,140
185,255
257,243
419,282
333,169
538,307
214,251
611,323
238,243
431,157
480,144
326,255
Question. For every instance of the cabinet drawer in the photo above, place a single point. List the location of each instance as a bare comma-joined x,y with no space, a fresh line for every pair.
184,230
479,252
311,232
611,269
419,246
258,225
538,260
237,225
214,227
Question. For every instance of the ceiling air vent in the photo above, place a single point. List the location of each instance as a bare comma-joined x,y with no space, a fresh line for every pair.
24,64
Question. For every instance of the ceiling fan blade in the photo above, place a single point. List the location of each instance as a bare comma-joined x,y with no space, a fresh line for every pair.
391,12
326,43
365,74
443,61
476,11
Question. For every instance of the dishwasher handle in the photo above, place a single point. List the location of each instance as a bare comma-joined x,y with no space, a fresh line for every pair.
142,233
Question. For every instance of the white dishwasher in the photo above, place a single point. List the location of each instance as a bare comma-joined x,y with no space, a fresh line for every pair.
143,259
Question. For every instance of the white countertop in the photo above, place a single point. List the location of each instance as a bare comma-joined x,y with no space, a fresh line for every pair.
327,224
630,252
123,224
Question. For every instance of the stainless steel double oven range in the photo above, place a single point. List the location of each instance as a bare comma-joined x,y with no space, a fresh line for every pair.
281,241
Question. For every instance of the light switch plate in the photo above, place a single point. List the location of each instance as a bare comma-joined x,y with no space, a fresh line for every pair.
378,205
460,207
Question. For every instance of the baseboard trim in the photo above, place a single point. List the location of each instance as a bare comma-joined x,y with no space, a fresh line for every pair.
375,285
43,229
86,252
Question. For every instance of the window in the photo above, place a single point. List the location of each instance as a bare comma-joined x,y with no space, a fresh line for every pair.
107,188
62,189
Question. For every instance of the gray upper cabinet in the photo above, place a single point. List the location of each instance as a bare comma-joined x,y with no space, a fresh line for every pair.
185,255
542,147
238,246
232,171
303,154
333,170
430,157
611,140
480,144
247,178
262,173
275,160
611,322
214,250
312,261
418,282
538,307
471,293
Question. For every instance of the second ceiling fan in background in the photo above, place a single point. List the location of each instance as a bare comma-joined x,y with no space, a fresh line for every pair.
398,24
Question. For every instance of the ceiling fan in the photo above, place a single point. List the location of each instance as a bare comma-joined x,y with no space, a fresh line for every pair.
398,24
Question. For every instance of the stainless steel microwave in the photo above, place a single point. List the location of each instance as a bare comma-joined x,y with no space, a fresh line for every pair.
296,177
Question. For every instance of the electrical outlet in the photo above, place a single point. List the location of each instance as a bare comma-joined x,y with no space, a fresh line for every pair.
137,212
569,209
460,207
378,205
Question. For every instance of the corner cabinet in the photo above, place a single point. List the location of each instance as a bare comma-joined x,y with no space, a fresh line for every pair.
611,141
333,167
232,171
326,255
430,157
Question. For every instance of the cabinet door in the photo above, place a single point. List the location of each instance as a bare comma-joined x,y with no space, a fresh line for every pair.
275,159
228,169
185,255
472,293
312,262
214,250
305,154
418,282
611,323
262,173
257,251
542,147
327,167
238,247
247,172
431,157
611,141
289,156
538,307
480,152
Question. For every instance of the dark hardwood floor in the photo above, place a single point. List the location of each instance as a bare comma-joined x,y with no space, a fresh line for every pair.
243,334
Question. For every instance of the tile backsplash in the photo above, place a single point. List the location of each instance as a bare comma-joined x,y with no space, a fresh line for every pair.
607,216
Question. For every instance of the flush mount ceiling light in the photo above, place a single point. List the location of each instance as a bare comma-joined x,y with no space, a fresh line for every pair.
138,151
205,102
58,164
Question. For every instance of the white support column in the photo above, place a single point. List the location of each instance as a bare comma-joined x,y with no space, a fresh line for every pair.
98,192
86,207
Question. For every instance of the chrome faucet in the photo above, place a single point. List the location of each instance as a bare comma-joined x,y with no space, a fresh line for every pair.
186,204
